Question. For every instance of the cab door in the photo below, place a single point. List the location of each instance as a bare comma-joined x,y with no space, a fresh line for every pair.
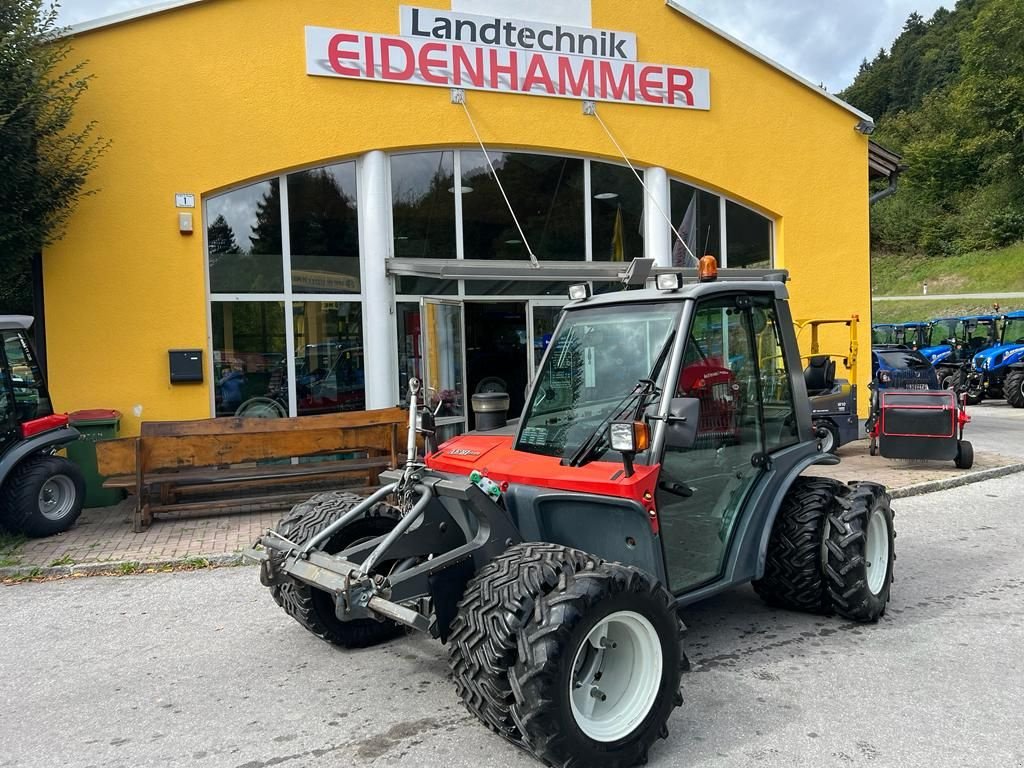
443,346
733,365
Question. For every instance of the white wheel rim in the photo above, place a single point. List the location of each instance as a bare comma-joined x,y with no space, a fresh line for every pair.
615,676
827,442
57,497
876,551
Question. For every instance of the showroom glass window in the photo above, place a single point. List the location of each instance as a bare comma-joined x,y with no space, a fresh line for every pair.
546,192
696,216
329,370
617,212
250,370
324,229
423,205
244,240
749,237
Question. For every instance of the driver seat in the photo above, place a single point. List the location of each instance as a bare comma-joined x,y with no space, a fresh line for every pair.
820,375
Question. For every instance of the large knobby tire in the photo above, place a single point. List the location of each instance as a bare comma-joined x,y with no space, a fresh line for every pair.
42,496
959,385
1013,388
859,551
793,576
314,608
482,645
947,378
597,668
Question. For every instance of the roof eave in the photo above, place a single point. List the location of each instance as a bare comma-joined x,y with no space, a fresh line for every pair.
120,18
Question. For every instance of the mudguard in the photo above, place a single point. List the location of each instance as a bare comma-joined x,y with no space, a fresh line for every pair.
35,444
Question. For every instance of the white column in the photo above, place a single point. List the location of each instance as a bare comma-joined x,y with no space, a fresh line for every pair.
657,232
380,342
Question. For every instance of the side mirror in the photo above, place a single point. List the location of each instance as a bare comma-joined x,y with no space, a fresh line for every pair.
682,422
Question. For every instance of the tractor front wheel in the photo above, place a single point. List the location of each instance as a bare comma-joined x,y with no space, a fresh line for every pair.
793,575
859,552
1013,388
314,608
42,496
597,669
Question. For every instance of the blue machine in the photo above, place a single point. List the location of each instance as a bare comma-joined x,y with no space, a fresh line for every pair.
972,334
895,366
998,371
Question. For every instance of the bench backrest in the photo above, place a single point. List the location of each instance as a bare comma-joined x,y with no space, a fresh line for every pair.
219,442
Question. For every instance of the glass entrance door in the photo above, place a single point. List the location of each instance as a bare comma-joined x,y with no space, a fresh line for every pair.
443,332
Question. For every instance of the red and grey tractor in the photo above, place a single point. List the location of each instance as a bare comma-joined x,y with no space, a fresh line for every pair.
40,493
633,485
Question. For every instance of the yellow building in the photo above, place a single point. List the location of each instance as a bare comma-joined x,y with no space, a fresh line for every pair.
288,181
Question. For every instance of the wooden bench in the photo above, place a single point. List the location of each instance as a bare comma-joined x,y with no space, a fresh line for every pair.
219,465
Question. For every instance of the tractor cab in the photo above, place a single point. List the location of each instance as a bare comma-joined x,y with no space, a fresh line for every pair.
916,335
972,334
40,494
884,333
938,344
671,409
996,371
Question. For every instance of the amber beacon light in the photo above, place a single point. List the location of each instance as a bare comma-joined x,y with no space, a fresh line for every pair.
707,269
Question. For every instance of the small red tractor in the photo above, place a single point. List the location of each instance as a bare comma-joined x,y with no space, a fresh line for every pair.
40,493
624,493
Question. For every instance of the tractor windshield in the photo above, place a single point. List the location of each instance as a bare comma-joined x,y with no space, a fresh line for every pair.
593,363
1013,331
979,333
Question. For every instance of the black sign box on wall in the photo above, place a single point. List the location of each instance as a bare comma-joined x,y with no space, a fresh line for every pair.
186,365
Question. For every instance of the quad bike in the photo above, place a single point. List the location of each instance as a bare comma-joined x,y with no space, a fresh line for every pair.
40,493
556,579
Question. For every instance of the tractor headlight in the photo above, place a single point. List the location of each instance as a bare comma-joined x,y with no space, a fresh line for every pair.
884,377
629,436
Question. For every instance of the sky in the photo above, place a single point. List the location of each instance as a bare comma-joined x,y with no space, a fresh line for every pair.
822,40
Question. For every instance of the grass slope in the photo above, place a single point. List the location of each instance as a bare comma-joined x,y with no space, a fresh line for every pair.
908,311
999,271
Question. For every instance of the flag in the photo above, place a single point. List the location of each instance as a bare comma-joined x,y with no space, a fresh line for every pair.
618,244
681,257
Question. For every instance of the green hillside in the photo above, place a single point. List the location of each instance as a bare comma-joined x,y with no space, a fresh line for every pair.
908,311
998,271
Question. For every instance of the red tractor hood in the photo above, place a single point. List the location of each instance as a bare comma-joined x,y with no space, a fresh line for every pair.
494,457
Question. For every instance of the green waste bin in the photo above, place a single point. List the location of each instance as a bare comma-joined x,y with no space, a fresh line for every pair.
94,425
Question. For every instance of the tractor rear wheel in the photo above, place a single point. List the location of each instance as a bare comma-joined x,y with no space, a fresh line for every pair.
974,396
482,644
859,552
314,608
793,576
1013,388
597,669
42,496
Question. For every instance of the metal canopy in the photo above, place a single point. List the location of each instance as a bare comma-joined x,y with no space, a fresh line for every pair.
609,271
507,269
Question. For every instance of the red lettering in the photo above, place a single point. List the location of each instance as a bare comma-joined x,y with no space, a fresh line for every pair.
623,88
387,45
680,81
511,69
427,63
569,82
335,54
462,63
651,84
370,57
537,72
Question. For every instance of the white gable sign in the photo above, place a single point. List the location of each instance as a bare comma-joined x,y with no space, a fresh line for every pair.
485,53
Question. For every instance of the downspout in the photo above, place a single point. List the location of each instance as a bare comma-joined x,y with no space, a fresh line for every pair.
890,190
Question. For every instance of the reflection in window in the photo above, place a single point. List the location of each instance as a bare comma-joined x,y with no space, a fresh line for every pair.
617,208
410,361
546,194
516,288
243,237
695,214
31,400
324,229
250,372
750,237
444,379
425,286
329,371
423,203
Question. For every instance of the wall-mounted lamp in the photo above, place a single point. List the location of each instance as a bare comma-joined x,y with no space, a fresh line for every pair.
866,127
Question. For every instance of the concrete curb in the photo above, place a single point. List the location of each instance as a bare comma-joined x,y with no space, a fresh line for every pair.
200,562
122,567
956,482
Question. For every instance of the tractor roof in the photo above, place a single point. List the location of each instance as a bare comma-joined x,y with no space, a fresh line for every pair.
690,290
915,324
15,322
983,318
1016,315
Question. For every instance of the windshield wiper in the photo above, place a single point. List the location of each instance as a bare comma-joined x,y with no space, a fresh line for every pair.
643,389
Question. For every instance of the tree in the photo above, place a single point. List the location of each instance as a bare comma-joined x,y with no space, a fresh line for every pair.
221,238
45,161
